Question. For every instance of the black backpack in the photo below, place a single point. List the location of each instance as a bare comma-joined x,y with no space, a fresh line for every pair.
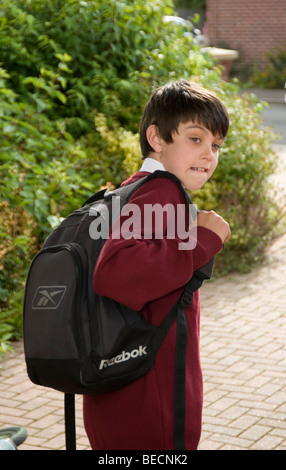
78,342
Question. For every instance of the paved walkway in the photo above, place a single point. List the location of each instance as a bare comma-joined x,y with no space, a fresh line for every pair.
243,357
243,326
276,96
243,360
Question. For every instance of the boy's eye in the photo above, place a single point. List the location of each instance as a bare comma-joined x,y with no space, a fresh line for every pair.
216,146
195,139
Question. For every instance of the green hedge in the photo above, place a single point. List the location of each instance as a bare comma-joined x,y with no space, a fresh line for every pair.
74,78
273,75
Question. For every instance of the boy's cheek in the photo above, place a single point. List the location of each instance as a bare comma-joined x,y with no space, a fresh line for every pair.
212,169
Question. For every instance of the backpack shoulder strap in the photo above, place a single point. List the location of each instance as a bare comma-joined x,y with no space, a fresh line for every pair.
95,197
70,424
126,191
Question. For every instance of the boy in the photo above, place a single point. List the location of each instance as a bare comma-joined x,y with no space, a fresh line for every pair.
182,129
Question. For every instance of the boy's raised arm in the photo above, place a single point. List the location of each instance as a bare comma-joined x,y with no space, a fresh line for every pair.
136,271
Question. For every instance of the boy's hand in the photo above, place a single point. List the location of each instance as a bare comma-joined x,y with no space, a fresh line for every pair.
214,222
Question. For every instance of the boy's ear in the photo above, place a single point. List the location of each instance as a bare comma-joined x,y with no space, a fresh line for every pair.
154,139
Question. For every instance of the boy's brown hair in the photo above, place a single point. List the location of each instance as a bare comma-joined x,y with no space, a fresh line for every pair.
180,102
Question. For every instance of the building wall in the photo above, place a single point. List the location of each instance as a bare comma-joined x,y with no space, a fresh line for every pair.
253,27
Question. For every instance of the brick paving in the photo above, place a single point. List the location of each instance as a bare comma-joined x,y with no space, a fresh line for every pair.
243,334
243,361
243,358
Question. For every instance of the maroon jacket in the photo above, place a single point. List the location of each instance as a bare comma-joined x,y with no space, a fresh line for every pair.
150,275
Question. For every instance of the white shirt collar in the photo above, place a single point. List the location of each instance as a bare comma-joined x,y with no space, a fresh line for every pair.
150,165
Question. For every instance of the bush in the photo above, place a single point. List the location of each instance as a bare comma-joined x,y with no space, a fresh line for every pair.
39,183
74,79
69,58
17,243
274,74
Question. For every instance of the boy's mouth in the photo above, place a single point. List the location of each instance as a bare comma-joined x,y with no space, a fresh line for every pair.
204,170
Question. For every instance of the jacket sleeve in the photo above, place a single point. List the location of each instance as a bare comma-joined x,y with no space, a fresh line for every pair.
140,269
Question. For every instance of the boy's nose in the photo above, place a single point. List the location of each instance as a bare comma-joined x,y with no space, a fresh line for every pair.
208,153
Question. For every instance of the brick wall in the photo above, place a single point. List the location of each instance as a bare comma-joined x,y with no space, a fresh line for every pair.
253,27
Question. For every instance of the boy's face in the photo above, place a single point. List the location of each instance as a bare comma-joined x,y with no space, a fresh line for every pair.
192,156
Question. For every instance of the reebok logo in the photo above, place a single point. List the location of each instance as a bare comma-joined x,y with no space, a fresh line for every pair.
48,297
124,356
